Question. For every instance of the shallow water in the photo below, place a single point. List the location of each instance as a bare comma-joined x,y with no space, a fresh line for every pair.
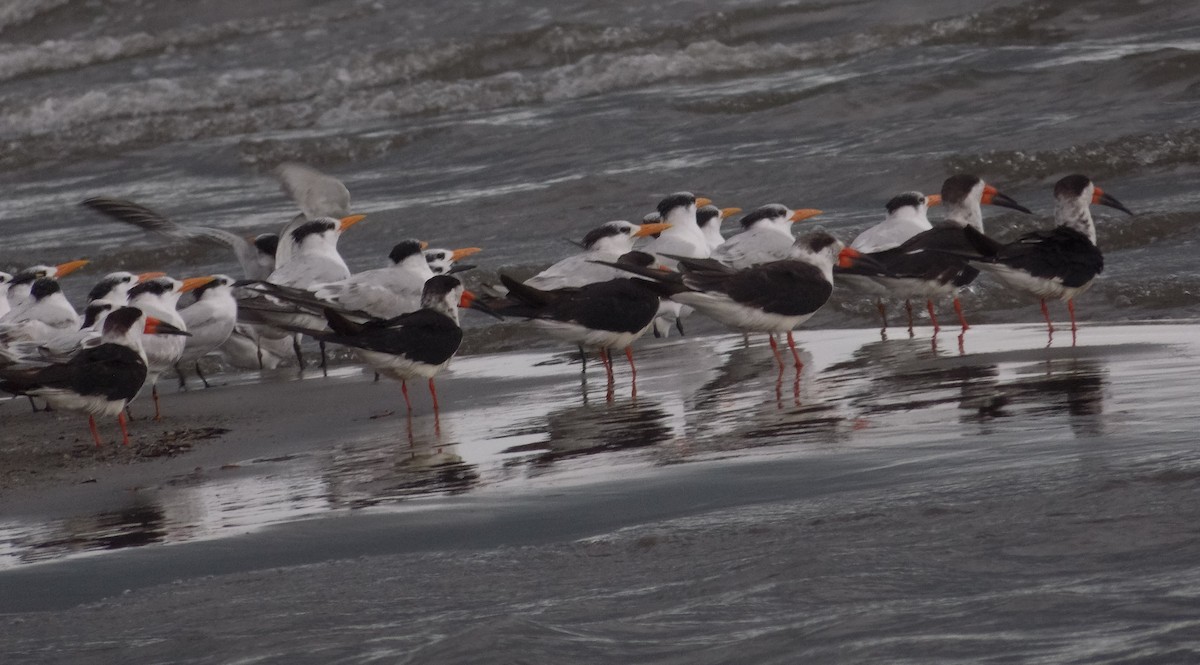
514,125
902,502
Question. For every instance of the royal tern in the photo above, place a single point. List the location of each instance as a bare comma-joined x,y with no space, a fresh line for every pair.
766,236
99,380
606,242
22,281
709,218
1060,263
159,297
42,314
684,238
446,261
209,321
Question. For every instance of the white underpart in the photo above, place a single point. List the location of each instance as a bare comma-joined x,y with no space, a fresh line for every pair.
766,240
900,225
210,321
38,320
740,317
579,335
684,238
314,261
383,292
1039,287
162,351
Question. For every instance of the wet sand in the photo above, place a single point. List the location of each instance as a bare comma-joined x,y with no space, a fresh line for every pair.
1041,483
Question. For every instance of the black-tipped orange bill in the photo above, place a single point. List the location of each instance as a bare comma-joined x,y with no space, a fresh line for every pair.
1098,196
701,201
993,196
726,213
848,257
933,200
193,283
650,229
146,276
464,252
803,214
64,269
158,327
346,222
471,301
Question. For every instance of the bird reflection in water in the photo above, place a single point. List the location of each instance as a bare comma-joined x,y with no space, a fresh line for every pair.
140,523
386,471
1074,386
588,429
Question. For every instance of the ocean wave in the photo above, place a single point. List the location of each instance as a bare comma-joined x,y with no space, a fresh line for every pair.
17,12
1134,153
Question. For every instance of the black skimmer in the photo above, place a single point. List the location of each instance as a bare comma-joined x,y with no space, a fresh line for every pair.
99,380
1059,263
209,321
766,236
774,297
414,345
159,298
601,315
710,218
926,265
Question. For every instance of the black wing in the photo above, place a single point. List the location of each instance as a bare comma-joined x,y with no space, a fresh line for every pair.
938,254
787,288
1059,253
111,370
618,305
424,336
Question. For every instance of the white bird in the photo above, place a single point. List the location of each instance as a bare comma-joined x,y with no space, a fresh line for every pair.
209,321
709,218
44,313
159,298
446,261
684,238
606,242
766,236
19,285
319,196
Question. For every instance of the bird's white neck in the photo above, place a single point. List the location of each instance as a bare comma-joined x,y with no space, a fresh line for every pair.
1076,213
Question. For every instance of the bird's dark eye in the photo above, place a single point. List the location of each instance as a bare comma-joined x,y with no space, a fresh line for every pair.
625,230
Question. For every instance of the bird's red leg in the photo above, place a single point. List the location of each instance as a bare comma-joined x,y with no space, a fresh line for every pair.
775,350
433,392
932,315
632,370
795,354
607,360
1071,309
124,428
154,393
404,389
1046,314
958,308
95,432
908,310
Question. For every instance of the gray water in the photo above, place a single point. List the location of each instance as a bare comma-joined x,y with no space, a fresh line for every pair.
513,125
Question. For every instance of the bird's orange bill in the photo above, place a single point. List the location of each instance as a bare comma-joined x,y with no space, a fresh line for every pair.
933,200
701,201
726,213
193,283
993,196
466,299
64,269
157,327
848,257
650,229
149,275
464,252
423,245
346,222
803,214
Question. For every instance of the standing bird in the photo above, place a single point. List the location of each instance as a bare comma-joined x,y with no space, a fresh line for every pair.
44,313
926,265
602,315
1060,263
766,236
209,321
709,218
907,215
158,298
771,298
446,261
99,380
606,242
684,238
414,345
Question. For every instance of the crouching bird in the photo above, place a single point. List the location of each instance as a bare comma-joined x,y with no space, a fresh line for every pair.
99,380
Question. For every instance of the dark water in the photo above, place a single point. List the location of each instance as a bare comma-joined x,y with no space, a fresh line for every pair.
511,125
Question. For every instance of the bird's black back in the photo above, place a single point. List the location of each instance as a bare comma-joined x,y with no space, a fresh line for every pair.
787,288
424,336
1061,252
113,371
935,255
618,305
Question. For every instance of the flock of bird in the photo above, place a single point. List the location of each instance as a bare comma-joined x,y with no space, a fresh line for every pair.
403,321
